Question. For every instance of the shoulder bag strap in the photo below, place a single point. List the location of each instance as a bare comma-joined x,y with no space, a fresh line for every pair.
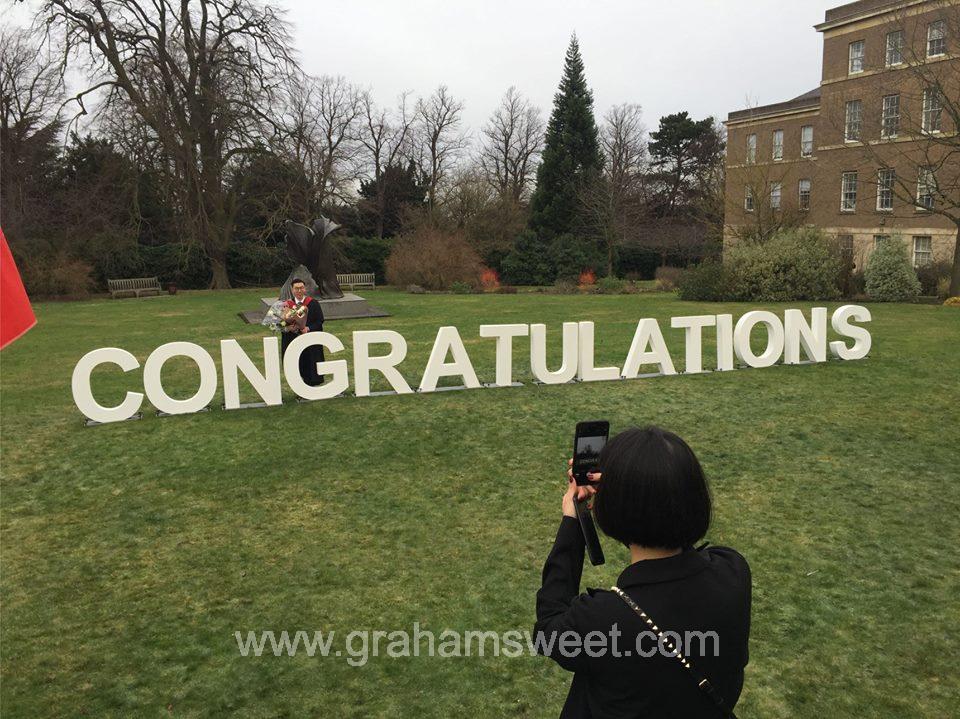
702,682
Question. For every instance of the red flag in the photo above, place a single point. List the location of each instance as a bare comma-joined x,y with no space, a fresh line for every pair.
16,314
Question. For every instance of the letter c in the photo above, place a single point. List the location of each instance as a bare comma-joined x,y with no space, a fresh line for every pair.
83,395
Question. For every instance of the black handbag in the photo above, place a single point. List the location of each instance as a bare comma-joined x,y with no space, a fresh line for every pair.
702,682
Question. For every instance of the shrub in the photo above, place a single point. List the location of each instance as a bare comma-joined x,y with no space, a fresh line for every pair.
433,259
507,290
258,264
416,290
462,288
637,263
943,288
931,276
610,286
668,277
706,282
489,280
952,302
528,262
365,254
572,256
889,275
796,264
565,286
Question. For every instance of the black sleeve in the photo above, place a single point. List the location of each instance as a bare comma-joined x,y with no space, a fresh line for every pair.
560,606
315,317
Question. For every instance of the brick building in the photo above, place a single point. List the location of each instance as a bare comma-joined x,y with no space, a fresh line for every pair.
867,153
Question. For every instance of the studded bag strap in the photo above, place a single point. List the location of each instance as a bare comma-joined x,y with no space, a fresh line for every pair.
702,682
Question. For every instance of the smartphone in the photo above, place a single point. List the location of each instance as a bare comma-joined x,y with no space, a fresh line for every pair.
588,440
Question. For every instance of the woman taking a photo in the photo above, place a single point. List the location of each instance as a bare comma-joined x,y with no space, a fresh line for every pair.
670,639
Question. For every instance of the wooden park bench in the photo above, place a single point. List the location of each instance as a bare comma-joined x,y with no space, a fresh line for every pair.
134,286
355,280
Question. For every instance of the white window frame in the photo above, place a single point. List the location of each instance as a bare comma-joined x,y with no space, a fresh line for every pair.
778,144
932,118
894,55
926,187
751,149
806,145
926,254
886,178
846,244
748,204
776,195
855,56
848,191
804,192
937,38
853,124
890,117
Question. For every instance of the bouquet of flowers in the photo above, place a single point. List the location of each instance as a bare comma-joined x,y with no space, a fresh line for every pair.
282,318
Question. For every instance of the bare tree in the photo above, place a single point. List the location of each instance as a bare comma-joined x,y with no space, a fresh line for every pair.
439,119
385,138
202,74
513,139
617,203
324,136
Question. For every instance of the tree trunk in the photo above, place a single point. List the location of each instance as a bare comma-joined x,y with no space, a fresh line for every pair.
220,279
954,290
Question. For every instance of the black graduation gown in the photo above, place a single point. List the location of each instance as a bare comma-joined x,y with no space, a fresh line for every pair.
310,356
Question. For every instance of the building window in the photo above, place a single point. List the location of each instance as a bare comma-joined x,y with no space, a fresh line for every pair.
922,250
804,195
936,38
895,48
856,57
854,120
932,110
846,245
751,149
926,186
748,199
778,144
891,116
806,140
879,240
885,180
848,195
776,190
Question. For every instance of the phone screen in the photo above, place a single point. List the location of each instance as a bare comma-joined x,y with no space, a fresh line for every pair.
586,452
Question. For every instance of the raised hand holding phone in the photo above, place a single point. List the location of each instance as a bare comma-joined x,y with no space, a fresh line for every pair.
589,439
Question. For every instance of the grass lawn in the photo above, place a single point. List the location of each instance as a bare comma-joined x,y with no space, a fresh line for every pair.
131,553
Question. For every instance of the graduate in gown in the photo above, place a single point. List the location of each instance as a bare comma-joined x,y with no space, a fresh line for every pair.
314,323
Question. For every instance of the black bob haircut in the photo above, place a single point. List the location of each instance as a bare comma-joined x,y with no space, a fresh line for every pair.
653,492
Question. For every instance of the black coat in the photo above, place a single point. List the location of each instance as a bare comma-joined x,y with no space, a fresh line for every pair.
697,590
310,356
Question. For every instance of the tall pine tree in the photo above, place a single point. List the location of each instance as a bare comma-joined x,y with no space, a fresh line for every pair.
571,155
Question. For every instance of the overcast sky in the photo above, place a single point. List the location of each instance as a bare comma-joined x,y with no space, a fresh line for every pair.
705,56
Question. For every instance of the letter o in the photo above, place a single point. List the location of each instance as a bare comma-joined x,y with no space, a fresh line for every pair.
154,387
741,338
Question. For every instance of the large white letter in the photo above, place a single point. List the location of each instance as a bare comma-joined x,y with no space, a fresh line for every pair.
83,395
538,354
860,336
386,364
693,339
811,337
724,343
154,387
233,360
504,335
587,372
337,369
741,338
648,333
448,340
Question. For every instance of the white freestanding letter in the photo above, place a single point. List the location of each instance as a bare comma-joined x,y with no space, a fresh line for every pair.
448,340
811,337
386,364
504,335
538,354
234,360
860,336
648,333
741,338
337,369
693,338
587,372
724,343
154,386
83,395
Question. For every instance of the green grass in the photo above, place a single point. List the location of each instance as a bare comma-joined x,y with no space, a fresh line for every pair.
132,552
